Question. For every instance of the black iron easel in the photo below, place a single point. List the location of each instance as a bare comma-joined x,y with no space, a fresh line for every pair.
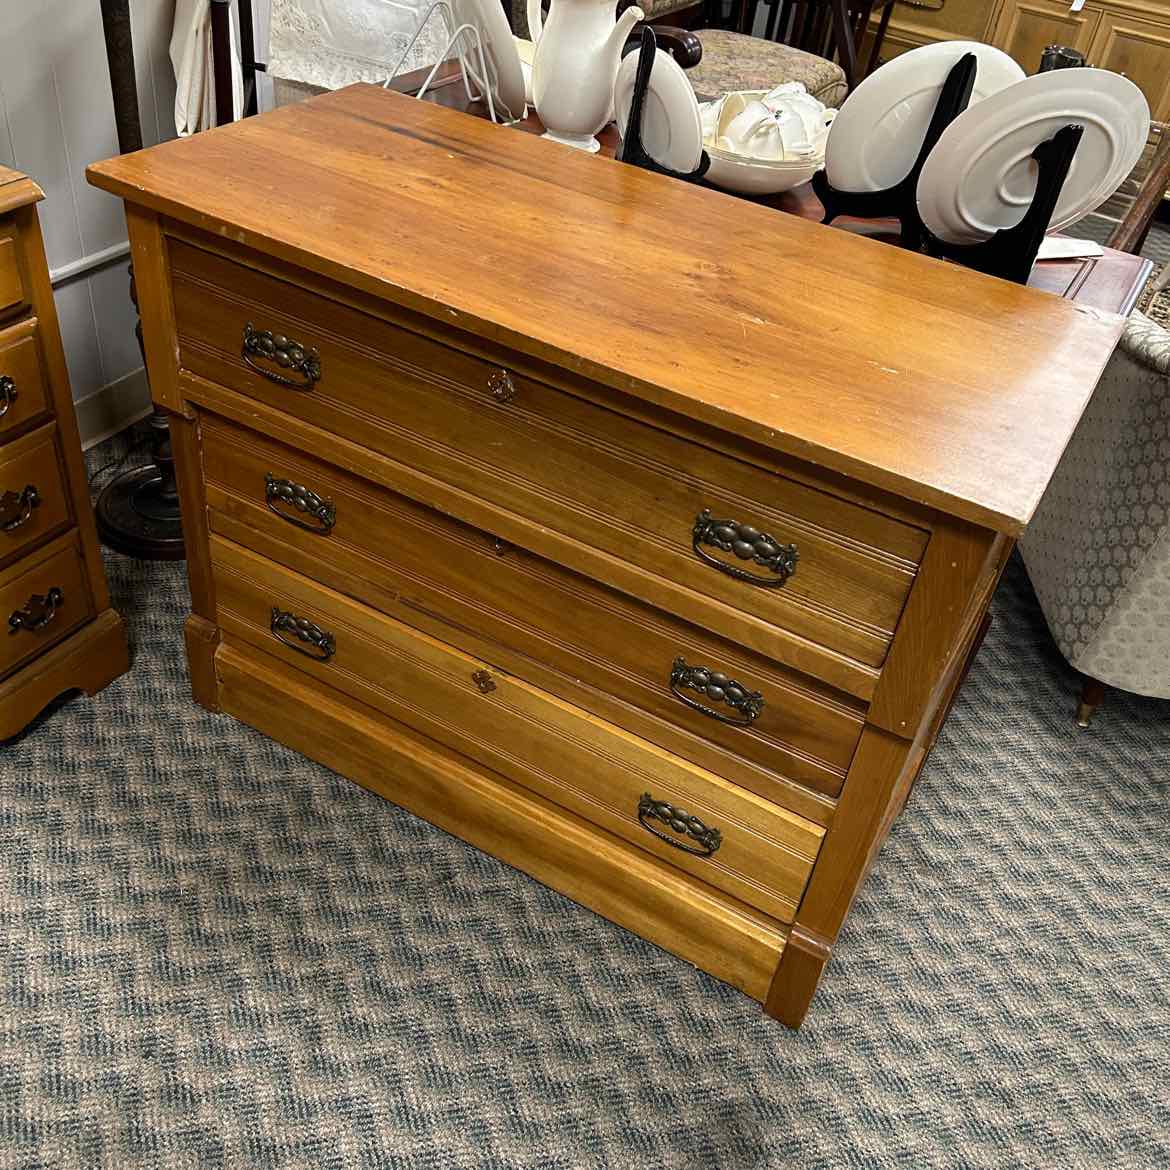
1011,252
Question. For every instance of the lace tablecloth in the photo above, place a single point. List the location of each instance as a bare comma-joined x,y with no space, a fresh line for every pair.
333,43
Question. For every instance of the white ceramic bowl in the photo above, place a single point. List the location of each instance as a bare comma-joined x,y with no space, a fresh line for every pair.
748,176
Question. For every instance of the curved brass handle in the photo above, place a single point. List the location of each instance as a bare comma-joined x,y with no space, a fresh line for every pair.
706,839
264,345
38,612
748,544
320,514
17,507
306,638
7,394
716,686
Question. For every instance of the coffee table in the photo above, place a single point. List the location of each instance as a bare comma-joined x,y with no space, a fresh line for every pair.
1111,282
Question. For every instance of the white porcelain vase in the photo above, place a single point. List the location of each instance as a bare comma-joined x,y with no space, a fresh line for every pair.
578,51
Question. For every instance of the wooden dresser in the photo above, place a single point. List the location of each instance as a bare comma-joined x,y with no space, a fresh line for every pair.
59,632
636,535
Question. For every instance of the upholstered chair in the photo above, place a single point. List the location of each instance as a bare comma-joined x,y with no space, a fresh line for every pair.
733,61
1098,549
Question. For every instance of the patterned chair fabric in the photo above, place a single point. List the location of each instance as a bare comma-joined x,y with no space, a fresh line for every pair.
1098,549
735,61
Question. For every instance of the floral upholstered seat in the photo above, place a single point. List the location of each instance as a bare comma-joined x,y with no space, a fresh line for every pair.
734,61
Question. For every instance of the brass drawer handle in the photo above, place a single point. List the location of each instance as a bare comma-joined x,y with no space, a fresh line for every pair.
501,386
747,543
264,345
319,515
38,612
707,839
716,686
17,507
7,394
302,635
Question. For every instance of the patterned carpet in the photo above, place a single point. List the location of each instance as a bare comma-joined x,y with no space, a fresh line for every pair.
215,953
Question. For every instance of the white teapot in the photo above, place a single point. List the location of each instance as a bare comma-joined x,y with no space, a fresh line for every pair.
578,52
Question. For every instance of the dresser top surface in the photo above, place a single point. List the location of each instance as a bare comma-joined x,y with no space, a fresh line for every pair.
919,377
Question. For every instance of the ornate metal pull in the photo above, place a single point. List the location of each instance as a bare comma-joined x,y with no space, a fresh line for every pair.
719,689
484,681
320,514
502,388
288,354
38,611
17,507
7,394
310,639
707,839
747,543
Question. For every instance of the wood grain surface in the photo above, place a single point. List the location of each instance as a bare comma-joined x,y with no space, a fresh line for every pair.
946,386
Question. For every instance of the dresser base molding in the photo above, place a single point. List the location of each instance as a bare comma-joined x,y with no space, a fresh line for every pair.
715,933
86,661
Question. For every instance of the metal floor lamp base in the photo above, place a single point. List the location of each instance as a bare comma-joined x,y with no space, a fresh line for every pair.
138,512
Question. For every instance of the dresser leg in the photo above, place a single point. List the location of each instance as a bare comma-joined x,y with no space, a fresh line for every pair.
202,638
796,979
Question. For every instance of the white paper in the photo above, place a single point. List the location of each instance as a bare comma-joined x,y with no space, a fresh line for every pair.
1066,248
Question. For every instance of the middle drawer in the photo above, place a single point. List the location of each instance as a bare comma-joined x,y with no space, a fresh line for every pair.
594,646
748,847
34,503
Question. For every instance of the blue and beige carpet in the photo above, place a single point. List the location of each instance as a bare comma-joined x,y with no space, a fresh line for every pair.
214,953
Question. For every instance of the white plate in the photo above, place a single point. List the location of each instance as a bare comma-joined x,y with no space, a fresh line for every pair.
879,130
505,75
980,176
672,129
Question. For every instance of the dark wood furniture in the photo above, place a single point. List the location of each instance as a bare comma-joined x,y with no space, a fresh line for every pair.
624,553
58,632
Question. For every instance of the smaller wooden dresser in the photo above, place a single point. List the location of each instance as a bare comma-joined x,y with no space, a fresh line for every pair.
59,632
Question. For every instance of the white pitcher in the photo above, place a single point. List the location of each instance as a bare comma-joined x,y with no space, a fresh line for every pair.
573,73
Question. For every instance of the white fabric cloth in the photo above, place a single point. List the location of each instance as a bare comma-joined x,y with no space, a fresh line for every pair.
194,63
333,43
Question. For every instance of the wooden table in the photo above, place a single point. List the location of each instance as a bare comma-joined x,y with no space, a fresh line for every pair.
638,543
1111,281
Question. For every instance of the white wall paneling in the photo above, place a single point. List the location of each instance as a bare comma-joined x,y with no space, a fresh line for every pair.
56,117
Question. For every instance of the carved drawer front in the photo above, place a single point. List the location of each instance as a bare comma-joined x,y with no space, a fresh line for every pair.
12,294
720,541
732,839
34,502
23,397
764,727
42,598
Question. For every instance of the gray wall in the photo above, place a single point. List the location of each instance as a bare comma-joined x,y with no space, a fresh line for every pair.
56,116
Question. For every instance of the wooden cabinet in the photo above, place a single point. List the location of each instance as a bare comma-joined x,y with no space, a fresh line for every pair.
1025,28
1140,48
647,574
57,630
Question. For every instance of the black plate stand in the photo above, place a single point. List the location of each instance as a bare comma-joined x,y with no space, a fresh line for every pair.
631,149
1011,252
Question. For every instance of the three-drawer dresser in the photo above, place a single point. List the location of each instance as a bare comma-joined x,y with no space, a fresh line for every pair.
57,630
635,534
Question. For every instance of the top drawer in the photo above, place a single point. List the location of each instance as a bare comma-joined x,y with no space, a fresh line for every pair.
11,285
582,472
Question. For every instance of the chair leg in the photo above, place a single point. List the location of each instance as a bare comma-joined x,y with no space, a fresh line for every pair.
1092,696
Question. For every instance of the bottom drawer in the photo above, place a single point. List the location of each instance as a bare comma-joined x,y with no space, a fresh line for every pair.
42,599
749,848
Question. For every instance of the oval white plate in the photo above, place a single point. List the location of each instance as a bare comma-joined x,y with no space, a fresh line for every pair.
672,128
879,129
980,177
